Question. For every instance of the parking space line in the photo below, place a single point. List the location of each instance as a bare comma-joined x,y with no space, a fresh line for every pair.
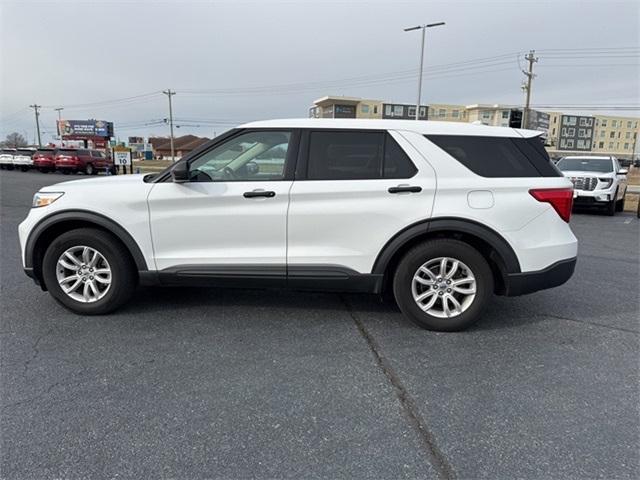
436,457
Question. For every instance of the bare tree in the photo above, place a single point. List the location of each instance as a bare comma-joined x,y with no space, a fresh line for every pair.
14,140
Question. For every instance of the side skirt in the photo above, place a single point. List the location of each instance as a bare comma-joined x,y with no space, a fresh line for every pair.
330,278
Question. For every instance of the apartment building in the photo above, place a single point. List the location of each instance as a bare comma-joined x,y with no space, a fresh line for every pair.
563,133
615,135
597,135
355,107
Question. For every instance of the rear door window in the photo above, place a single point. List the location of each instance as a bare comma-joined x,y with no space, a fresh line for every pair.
497,156
356,155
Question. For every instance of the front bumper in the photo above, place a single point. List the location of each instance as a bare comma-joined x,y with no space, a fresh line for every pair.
529,282
586,197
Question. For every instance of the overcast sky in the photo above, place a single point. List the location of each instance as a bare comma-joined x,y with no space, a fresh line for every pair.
236,61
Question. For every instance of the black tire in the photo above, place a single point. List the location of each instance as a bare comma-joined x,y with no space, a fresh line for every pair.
123,274
9,167
611,206
432,249
620,203
89,170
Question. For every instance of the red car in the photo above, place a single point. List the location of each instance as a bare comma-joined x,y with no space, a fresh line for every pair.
44,159
69,160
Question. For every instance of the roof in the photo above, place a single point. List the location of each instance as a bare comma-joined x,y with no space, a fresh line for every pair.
419,126
591,157
178,142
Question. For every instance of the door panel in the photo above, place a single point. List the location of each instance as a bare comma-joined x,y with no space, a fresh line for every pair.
348,222
212,223
233,209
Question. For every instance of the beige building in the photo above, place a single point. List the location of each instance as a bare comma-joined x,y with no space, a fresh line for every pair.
611,134
615,135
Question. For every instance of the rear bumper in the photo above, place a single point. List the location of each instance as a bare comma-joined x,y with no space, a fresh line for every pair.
44,163
529,282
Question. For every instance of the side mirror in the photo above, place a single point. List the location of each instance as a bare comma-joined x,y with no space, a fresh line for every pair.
623,171
180,172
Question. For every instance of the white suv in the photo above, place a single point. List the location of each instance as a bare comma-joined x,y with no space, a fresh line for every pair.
441,214
596,180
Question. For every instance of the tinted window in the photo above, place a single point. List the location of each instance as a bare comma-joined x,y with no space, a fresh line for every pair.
345,155
67,151
582,164
349,155
396,162
45,152
246,157
492,156
97,154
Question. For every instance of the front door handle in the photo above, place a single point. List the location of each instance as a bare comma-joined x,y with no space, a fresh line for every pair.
405,188
259,193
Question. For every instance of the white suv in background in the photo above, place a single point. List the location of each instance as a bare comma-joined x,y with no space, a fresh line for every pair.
443,215
597,181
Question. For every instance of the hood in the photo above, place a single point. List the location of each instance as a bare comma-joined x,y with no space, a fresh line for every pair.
101,182
582,173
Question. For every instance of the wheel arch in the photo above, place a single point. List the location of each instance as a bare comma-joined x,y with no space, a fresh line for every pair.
497,251
57,223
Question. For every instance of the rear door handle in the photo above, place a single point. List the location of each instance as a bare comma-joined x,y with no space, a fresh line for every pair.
405,188
259,193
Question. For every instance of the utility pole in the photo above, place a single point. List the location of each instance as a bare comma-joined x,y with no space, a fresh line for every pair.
424,29
169,93
531,58
59,110
35,109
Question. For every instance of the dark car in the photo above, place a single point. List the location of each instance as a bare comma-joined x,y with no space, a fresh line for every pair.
44,159
81,160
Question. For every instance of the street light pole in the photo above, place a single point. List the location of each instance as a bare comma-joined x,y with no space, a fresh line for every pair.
424,29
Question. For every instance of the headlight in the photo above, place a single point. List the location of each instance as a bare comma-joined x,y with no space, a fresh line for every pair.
607,182
42,199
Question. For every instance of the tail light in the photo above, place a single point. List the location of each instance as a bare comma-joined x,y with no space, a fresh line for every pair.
561,199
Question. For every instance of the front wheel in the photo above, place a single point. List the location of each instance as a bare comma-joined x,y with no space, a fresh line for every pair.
89,170
89,271
620,203
443,285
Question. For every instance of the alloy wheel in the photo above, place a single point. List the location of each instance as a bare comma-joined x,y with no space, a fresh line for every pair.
83,274
443,287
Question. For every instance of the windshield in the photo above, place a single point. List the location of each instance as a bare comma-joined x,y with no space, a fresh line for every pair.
45,151
585,164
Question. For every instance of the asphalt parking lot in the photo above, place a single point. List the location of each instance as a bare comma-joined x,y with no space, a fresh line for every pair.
209,383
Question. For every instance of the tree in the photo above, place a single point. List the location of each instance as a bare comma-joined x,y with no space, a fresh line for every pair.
14,140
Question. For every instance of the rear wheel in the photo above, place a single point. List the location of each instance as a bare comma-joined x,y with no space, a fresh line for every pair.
443,285
89,271
88,169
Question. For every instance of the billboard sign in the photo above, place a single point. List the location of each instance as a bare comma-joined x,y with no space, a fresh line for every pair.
85,128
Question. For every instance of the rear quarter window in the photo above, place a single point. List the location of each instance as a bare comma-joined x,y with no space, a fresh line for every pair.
498,156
